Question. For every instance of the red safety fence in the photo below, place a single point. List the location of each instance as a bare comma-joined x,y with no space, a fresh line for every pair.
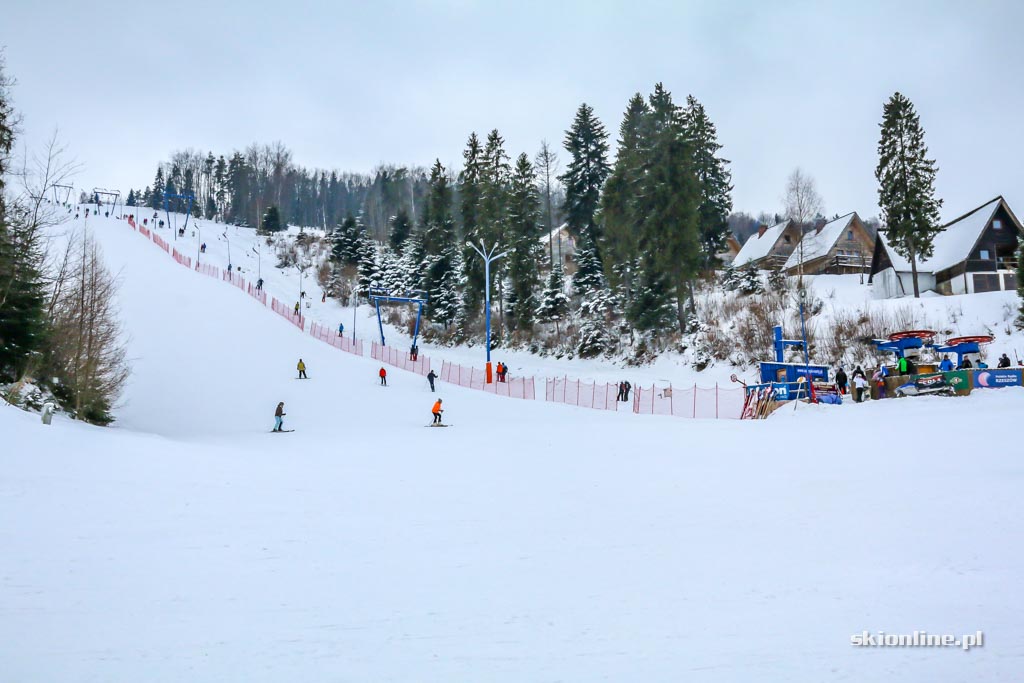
144,230
182,259
159,241
207,269
287,313
332,337
584,394
234,278
476,378
258,293
400,359
713,402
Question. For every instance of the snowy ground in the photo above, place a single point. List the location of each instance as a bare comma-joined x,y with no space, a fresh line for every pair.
530,542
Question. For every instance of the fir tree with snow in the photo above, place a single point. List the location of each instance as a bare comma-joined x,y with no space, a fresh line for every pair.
906,184
526,251
401,228
714,179
554,303
588,168
271,222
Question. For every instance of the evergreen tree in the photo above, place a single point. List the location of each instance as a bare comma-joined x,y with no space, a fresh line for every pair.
621,216
220,182
446,294
443,271
587,144
470,190
495,175
554,304
131,198
525,233
271,221
156,199
714,178
401,227
906,184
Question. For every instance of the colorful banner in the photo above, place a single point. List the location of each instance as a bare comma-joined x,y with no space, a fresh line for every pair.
990,379
960,380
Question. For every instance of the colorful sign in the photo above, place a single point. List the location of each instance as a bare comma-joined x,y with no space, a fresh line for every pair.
960,380
990,379
926,383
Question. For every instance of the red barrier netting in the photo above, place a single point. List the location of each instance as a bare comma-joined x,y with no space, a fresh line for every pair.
234,278
475,378
144,230
183,260
400,359
692,402
159,241
583,394
332,337
131,222
258,294
207,269
287,313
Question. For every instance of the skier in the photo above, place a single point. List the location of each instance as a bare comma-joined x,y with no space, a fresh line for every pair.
859,384
628,387
259,284
279,417
436,411
296,308
301,367
430,378
323,299
383,376
229,267
413,353
841,380
202,247
1004,361
341,329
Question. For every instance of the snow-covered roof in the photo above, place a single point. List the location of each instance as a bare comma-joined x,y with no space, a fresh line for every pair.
952,245
818,243
555,233
758,246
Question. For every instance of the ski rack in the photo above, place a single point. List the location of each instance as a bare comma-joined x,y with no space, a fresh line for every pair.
413,296
115,195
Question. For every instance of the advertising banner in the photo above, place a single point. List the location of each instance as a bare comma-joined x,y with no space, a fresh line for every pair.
990,379
960,380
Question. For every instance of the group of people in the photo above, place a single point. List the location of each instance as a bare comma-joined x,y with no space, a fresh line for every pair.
858,380
624,389
501,372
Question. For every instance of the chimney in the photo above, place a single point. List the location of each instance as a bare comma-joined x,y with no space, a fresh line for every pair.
761,230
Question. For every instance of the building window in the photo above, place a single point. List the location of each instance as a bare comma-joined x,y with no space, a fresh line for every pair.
997,224
786,238
849,235
984,254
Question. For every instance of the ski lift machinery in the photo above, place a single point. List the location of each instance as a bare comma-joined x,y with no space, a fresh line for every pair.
99,193
415,296
188,198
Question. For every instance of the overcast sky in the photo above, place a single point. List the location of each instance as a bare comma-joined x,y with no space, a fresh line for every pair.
348,85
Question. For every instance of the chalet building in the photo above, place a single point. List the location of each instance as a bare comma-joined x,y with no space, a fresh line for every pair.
977,252
843,245
769,248
732,248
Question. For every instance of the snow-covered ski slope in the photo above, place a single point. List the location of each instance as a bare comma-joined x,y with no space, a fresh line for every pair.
533,542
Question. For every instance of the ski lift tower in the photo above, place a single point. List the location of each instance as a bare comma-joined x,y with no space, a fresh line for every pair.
189,198
114,196
383,296
64,191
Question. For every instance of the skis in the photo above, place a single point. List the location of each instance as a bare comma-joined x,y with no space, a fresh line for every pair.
437,425
281,431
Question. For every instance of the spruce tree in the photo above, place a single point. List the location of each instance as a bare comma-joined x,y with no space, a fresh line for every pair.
495,173
442,270
526,248
714,178
620,213
131,198
271,221
587,144
156,199
906,184
401,228
470,190
554,304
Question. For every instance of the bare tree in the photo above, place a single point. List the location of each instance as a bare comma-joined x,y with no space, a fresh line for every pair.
802,205
546,163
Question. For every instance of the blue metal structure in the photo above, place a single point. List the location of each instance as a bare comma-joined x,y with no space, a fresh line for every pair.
415,296
115,199
901,342
188,212
488,257
789,380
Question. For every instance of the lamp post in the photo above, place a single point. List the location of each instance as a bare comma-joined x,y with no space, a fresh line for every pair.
228,240
488,257
199,244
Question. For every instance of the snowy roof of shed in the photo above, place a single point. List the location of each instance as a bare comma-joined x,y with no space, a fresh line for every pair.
758,246
818,243
953,244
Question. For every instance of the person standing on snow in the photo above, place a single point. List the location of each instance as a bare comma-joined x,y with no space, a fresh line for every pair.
259,284
946,365
430,378
296,308
301,367
279,417
383,376
1004,361
436,411
626,394
841,380
341,329
860,383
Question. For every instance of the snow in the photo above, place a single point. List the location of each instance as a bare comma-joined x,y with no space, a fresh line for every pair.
819,243
758,246
529,542
952,245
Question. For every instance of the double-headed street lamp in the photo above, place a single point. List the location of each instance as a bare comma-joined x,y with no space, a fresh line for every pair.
488,257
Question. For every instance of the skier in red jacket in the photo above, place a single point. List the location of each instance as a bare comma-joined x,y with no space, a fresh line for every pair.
383,377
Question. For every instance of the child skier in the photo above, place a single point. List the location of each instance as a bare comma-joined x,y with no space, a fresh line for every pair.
436,411
279,417
301,367
383,377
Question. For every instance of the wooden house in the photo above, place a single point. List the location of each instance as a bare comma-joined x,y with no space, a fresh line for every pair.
843,245
976,252
732,248
769,248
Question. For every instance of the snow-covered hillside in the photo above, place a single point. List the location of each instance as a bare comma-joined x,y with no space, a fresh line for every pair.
531,541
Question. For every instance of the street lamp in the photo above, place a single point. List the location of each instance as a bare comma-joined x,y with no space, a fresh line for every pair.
488,257
199,244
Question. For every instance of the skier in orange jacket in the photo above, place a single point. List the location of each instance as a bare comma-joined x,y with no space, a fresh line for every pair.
436,410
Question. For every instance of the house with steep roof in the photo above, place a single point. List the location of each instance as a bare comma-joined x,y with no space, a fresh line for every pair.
768,248
843,245
976,252
732,248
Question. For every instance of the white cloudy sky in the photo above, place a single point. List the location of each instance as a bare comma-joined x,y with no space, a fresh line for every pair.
348,85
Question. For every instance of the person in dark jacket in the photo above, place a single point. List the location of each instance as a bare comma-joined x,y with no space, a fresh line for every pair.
279,417
841,380
966,364
626,394
430,378
1004,361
